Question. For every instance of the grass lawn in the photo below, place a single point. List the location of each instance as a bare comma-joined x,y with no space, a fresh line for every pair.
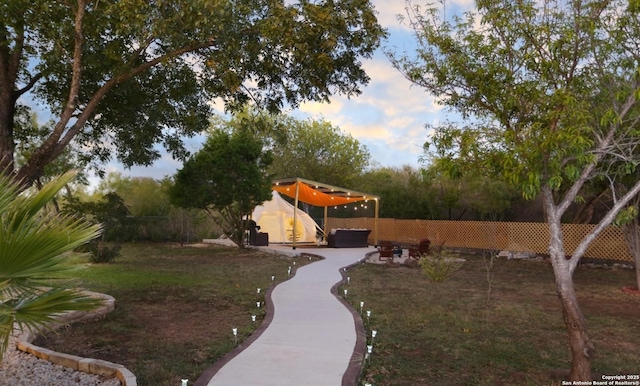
175,308
449,333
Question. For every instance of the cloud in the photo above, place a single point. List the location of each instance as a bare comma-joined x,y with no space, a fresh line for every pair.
388,117
388,11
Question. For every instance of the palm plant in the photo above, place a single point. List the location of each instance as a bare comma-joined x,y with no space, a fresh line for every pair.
33,252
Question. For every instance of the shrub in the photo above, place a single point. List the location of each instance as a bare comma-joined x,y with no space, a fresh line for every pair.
100,252
440,265
114,216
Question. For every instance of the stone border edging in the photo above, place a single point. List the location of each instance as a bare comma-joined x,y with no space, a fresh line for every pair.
211,371
86,365
352,375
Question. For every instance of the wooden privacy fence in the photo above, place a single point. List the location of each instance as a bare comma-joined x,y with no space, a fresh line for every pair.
511,236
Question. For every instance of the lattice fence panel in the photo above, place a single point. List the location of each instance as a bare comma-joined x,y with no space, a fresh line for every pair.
608,245
527,237
517,237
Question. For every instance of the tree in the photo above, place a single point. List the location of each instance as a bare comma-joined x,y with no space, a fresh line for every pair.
32,259
550,89
122,76
144,196
111,212
318,151
398,186
472,194
227,178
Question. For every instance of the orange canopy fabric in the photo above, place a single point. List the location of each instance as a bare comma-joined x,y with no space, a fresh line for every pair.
313,196
322,195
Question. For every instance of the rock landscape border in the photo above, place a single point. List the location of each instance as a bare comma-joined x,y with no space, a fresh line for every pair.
86,365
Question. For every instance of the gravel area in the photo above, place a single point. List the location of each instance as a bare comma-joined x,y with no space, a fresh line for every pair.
21,369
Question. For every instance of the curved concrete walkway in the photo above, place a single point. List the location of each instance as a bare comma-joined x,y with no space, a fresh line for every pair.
312,337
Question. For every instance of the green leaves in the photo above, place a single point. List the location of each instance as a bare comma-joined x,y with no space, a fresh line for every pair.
544,95
149,69
318,151
227,178
33,244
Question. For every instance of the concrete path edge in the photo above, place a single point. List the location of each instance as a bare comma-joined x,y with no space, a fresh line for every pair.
207,375
353,373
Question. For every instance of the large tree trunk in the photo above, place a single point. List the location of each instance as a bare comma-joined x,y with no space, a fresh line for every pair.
582,349
7,110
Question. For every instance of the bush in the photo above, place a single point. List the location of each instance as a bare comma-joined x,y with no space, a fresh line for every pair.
115,219
100,252
439,266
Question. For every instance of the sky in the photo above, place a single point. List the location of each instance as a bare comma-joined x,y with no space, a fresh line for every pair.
389,116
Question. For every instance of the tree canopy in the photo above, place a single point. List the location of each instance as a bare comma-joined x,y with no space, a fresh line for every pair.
227,178
318,151
122,76
551,91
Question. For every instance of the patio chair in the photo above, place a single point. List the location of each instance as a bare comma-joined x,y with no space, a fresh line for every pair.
417,251
386,249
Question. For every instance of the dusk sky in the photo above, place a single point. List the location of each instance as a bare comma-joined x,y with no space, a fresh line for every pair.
388,117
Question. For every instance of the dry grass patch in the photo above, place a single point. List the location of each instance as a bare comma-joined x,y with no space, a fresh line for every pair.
448,334
175,308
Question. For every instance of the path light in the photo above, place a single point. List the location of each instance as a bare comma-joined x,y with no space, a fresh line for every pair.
361,306
345,293
294,263
348,279
368,315
373,335
184,382
258,304
369,349
273,277
289,271
235,335
253,318
258,290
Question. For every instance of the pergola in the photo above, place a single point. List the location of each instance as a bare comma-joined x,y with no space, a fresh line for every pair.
323,195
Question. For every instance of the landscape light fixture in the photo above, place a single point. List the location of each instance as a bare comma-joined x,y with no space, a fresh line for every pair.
361,306
253,318
184,382
345,293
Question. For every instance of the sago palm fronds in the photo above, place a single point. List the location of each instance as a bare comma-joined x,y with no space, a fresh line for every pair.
33,246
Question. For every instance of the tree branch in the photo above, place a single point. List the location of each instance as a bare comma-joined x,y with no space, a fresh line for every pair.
72,99
602,225
599,153
28,86
97,97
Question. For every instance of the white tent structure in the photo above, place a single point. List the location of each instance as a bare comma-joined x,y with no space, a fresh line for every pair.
276,217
